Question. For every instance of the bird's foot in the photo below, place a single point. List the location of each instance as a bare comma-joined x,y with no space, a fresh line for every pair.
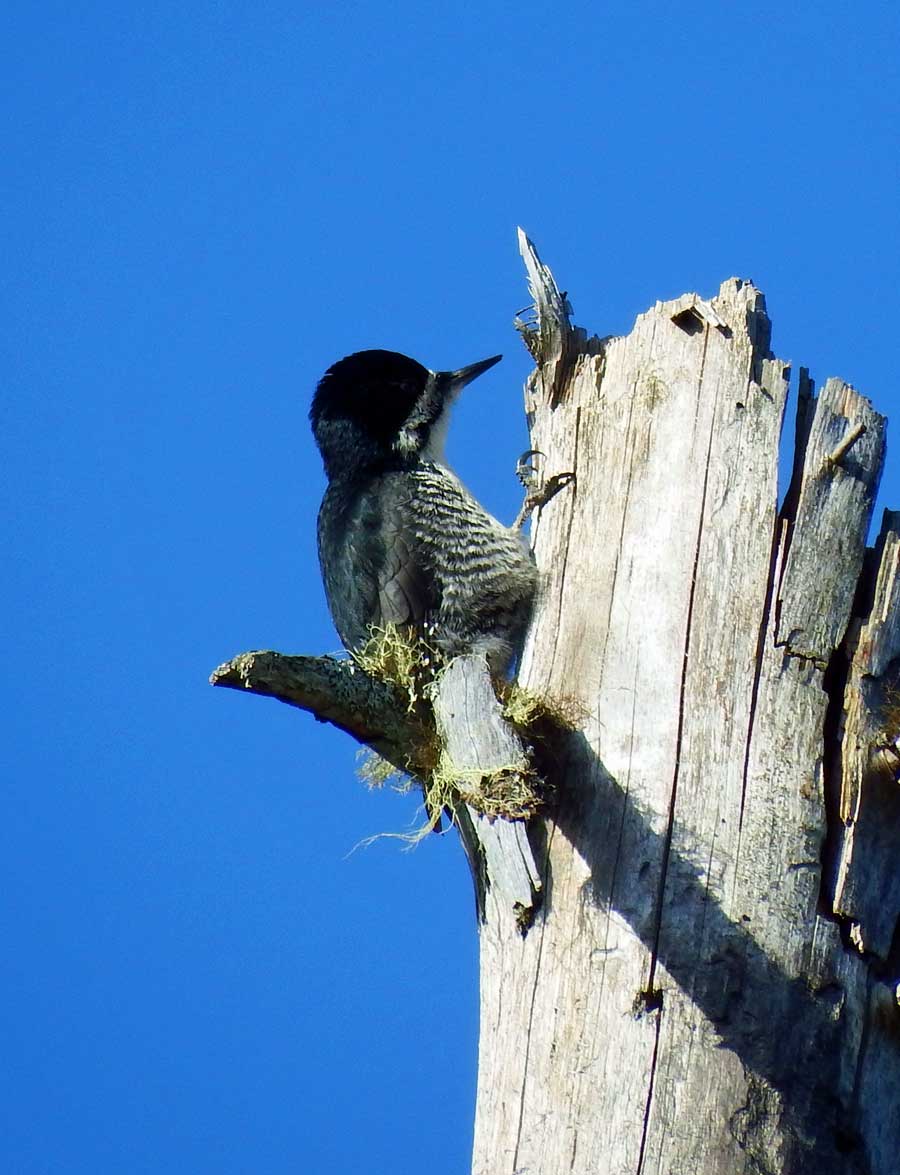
537,491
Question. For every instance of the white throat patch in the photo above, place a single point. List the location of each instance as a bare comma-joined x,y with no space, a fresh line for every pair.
437,438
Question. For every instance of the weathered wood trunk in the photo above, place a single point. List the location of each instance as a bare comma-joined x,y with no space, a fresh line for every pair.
710,985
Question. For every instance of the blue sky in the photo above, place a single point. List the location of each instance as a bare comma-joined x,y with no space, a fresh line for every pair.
203,206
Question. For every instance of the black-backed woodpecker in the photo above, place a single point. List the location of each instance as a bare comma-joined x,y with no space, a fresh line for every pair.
401,540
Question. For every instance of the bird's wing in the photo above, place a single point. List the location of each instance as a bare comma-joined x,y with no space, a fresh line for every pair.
373,560
405,590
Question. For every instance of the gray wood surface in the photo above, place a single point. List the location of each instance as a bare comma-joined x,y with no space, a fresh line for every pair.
479,742
687,1001
867,873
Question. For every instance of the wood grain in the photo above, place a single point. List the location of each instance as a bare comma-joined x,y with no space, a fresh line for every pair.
685,1001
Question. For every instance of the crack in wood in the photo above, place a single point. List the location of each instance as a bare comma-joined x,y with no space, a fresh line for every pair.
758,663
573,506
645,1128
834,683
673,795
528,1038
615,568
787,515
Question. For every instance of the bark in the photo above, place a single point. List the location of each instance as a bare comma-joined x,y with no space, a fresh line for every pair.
705,976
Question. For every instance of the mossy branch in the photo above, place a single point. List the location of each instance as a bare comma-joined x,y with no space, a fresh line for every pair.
335,691
446,729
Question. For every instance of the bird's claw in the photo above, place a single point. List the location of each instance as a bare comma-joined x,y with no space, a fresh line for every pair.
537,492
526,470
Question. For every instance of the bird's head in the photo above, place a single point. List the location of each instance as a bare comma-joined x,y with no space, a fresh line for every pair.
378,408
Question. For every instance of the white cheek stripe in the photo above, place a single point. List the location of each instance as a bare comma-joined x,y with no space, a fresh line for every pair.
437,439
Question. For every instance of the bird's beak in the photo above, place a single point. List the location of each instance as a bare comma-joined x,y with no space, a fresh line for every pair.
465,375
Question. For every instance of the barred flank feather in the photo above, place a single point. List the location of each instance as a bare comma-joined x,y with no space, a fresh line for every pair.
413,547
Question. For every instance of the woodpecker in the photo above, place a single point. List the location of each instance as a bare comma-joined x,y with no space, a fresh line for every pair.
401,540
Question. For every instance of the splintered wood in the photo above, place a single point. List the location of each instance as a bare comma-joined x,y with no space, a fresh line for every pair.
697,995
